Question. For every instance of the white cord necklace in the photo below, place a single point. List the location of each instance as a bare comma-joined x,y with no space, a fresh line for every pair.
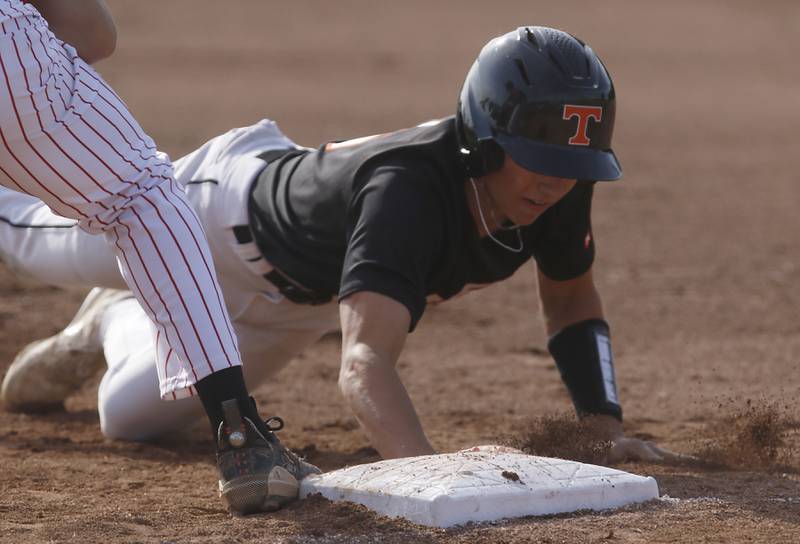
486,227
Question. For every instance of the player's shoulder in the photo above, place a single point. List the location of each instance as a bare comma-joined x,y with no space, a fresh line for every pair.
417,176
422,154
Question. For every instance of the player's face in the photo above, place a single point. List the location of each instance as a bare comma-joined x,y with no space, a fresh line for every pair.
521,195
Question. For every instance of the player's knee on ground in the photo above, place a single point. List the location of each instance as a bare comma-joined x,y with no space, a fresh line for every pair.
129,403
122,420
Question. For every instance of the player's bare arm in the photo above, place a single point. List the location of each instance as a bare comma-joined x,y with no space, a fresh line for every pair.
374,329
568,302
86,25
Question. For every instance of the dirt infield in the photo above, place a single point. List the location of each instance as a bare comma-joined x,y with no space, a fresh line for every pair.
698,264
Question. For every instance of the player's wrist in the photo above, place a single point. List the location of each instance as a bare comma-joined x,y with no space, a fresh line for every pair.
583,355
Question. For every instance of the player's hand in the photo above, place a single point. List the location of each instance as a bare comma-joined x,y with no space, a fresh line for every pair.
624,448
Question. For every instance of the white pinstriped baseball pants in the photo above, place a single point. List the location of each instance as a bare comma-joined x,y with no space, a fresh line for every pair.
68,139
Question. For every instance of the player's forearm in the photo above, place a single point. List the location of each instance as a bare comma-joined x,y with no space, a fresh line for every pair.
86,25
380,402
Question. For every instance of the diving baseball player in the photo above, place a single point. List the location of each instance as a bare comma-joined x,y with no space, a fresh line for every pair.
362,235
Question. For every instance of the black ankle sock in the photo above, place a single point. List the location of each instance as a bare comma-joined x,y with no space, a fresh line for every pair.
224,385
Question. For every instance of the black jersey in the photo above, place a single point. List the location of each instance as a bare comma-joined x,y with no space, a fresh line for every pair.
389,214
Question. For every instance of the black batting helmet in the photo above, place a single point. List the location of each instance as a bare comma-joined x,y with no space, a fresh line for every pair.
542,96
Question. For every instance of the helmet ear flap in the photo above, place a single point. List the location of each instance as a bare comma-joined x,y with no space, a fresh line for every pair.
479,157
487,157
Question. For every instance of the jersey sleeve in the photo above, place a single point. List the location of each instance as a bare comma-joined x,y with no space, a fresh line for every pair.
565,247
394,234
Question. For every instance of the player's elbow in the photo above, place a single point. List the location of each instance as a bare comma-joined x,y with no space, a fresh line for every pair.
359,363
352,374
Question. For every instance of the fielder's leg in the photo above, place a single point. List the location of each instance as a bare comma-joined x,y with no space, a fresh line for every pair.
67,138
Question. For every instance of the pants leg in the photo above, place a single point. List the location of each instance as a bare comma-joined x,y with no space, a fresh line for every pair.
38,244
68,139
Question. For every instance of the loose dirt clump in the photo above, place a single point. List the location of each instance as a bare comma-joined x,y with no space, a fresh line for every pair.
561,435
755,437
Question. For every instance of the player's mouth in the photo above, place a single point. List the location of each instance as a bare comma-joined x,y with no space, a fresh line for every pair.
537,203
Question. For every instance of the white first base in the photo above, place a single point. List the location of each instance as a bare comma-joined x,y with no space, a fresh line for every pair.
456,488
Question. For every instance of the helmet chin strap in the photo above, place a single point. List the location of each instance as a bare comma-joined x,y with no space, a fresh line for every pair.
486,227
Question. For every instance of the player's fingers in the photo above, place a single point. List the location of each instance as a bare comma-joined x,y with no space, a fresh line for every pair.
646,451
629,449
668,455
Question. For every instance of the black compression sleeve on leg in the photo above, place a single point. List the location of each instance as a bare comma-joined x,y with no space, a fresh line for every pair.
224,385
582,353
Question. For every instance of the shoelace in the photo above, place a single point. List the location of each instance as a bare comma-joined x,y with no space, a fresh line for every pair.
278,423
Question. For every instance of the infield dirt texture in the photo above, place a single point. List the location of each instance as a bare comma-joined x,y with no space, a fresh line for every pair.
698,264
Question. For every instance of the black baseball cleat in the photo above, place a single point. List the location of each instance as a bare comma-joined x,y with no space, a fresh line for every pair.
257,473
